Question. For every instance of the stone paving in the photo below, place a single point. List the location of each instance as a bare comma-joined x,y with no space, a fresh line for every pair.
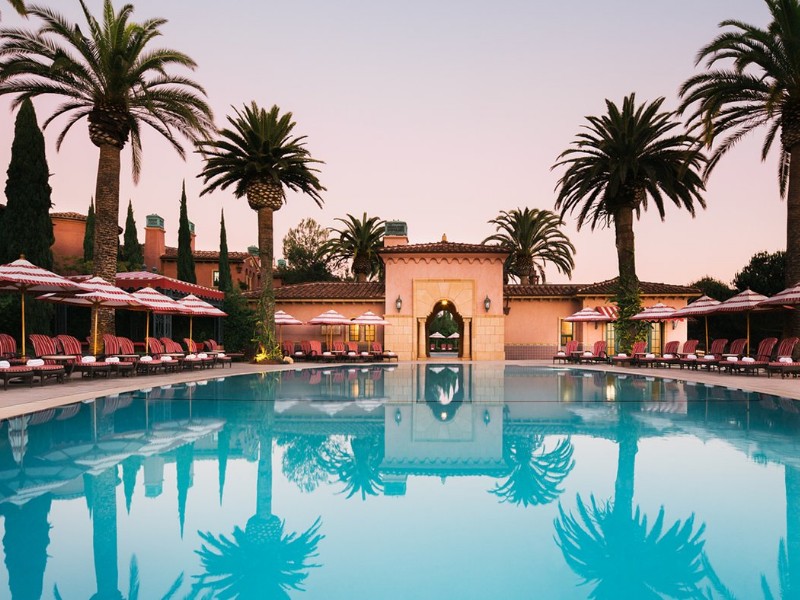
22,399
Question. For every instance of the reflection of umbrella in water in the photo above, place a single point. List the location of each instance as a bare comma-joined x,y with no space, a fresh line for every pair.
330,408
369,405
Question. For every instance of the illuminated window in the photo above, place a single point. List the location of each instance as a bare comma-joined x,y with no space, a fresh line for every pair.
215,278
369,333
567,333
355,333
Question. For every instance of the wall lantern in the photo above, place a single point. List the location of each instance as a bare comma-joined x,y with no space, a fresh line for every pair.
398,416
506,307
487,303
398,304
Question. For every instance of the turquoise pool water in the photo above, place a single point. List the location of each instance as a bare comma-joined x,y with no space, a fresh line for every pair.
416,481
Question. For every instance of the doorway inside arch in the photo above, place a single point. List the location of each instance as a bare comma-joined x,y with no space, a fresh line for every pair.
444,329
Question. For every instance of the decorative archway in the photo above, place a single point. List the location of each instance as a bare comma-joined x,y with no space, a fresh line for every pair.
444,306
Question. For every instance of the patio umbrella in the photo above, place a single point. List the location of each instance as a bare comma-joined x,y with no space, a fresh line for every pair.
199,308
370,318
588,315
157,302
23,276
657,312
436,335
702,307
330,317
788,297
283,318
101,293
746,302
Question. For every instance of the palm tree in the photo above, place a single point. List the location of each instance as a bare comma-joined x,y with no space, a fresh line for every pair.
625,159
612,546
19,6
535,475
259,156
758,85
359,241
113,78
533,239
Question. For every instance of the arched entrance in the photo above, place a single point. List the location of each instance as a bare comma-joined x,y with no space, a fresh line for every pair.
444,319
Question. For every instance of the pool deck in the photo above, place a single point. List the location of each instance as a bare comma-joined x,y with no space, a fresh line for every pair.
19,400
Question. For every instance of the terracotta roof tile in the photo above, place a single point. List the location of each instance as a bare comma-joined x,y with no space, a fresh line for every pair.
170,252
444,248
68,215
329,290
540,290
604,288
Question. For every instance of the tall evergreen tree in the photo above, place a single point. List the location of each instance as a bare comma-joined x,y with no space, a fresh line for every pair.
225,281
27,228
27,224
185,258
88,235
131,249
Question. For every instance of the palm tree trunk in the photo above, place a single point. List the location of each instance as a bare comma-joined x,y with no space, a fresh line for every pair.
106,228
265,243
793,235
791,477
264,478
626,254
104,534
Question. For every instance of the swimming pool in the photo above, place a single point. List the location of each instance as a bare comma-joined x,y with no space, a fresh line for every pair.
410,481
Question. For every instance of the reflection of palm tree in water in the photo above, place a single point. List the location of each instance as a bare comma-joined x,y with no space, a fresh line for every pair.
357,469
535,474
611,546
444,391
303,459
261,561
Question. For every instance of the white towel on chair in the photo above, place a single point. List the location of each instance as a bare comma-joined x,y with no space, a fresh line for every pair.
668,356
112,359
561,353
4,364
785,359
691,357
710,357
748,359
587,353
35,362
202,355
732,359
649,355
622,355
88,359
146,359
166,359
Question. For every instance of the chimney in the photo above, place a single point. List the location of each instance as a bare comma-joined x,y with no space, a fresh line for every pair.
154,245
396,234
192,236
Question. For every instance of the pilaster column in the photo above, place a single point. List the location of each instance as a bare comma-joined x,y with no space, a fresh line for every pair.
421,339
466,347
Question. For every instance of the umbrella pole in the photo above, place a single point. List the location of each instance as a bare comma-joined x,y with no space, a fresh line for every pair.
748,332
94,344
190,327
23,324
146,330
706,317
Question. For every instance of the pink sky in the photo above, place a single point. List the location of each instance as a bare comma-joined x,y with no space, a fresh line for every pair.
441,115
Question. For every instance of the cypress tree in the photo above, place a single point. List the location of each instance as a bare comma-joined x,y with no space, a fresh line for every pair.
88,235
185,258
27,228
131,249
225,281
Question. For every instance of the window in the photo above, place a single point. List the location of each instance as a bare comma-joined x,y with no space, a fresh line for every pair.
567,333
611,339
369,333
355,334
215,278
655,337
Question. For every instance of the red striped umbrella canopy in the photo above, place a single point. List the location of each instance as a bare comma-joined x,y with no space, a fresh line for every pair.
588,315
100,293
200,308
746,302
788,297
284,318
657,312
330,317
702,306
370,318
609,310
23,276
158,302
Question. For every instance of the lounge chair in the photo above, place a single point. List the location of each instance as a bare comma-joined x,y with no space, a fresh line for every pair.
9,372
44,369
566,355
8,350
670,352
381,354
597,354
622,358
714,353
784,363
735,350
87,365
669,358
196,348
213,346
751,364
